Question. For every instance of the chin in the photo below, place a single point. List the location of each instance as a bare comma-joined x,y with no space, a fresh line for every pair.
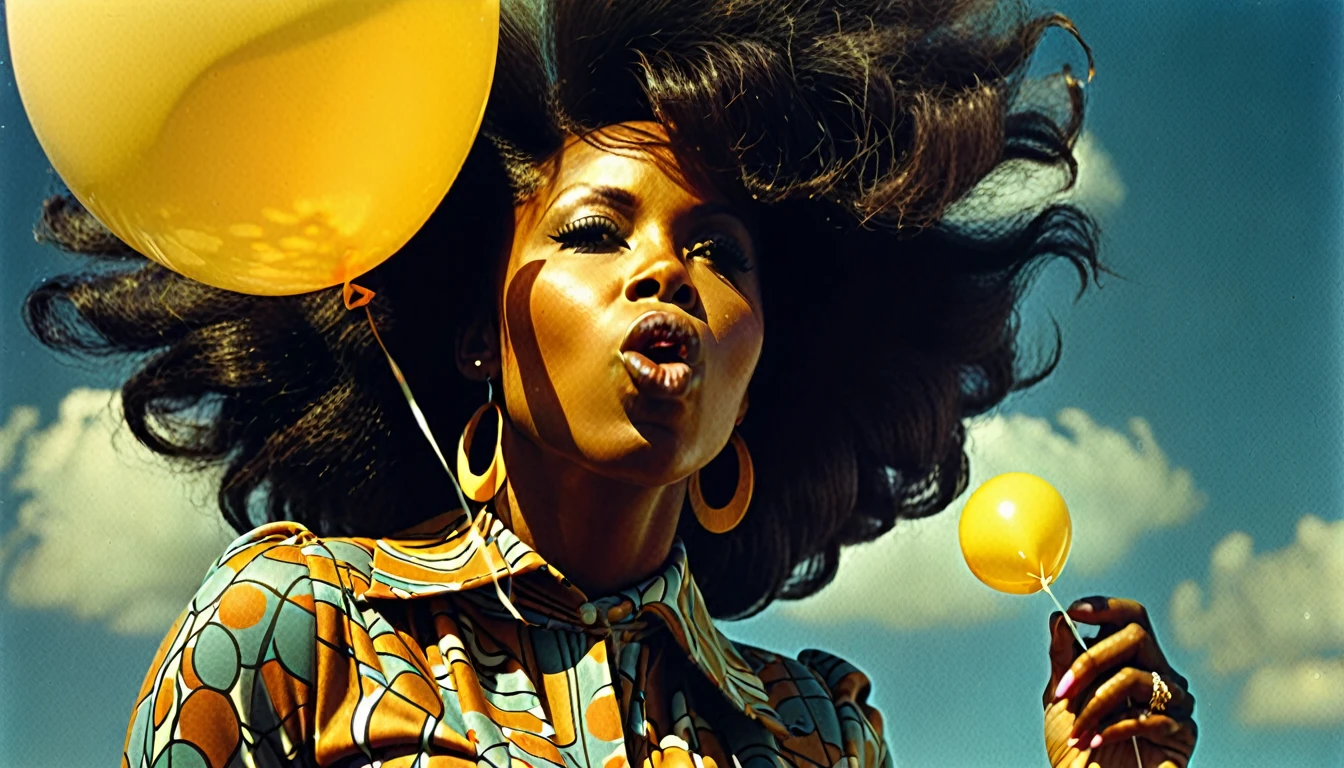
653,455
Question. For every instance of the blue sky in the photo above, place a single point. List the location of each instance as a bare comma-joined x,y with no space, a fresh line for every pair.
1194,425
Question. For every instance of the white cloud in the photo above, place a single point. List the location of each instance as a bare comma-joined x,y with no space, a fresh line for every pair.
887,582
21,422
1308,693
1099,186
1276,607
1279,614
1019,186
108,531
1118,487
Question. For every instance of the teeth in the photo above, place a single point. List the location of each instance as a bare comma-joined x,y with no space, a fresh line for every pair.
661,332
665,341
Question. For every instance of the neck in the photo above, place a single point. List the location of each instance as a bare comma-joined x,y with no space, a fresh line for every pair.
602,534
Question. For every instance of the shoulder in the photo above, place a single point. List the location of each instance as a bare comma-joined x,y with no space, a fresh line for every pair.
823,700
247,636
270,595
281,556
274,586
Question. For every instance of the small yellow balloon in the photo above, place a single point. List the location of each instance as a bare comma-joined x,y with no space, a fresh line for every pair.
1015,531
272,147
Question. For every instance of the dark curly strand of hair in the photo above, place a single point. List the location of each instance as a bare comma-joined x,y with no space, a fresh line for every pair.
850,128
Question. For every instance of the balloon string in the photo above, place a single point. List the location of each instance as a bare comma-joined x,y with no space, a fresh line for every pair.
365,297
1045,585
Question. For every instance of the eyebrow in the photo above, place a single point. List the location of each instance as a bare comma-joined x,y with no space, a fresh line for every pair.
615,196
627,201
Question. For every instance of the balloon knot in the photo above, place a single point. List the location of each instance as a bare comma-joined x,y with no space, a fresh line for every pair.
365,295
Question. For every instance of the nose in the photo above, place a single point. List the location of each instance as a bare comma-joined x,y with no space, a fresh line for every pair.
666,278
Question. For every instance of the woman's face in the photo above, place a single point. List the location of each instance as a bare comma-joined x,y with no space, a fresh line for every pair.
632,316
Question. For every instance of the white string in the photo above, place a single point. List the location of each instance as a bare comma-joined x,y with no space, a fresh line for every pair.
475,531
424,427
1045,585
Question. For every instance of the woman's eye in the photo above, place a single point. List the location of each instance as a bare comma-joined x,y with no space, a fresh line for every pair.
723,251
591,234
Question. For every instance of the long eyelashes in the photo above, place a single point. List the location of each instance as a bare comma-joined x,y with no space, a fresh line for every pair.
722,250
599,234
590,234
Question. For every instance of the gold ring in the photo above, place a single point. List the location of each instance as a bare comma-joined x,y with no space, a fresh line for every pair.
1161,694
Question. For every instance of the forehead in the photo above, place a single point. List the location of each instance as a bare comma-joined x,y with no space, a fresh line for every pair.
625,157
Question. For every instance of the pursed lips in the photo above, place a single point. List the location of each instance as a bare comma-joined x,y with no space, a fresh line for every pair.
662,352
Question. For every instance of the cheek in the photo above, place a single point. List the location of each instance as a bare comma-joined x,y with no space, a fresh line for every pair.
556,324
564,290
737,331
570,311
565,322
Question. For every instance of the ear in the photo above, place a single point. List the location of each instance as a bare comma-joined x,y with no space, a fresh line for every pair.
476,350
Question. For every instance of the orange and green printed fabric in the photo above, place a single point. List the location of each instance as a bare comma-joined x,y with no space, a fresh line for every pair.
300,650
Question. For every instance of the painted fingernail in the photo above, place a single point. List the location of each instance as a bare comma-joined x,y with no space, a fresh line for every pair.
1096,741
1080,607
1072,742
1064,683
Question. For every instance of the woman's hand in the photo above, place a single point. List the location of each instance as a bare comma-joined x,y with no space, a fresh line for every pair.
1104,693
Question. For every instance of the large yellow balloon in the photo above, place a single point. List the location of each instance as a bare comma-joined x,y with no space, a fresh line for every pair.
264,146
1015,530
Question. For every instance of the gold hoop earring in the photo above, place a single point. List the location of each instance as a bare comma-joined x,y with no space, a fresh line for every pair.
482,487
726,518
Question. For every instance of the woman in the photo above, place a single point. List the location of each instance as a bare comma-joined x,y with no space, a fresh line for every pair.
656,185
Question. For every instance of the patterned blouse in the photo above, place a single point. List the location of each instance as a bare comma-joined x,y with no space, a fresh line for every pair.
398,652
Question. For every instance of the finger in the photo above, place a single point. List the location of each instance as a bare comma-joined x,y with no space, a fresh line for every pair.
1110,615
1063,650
1132,645
1116,694
1099,609
1113,614
1175,735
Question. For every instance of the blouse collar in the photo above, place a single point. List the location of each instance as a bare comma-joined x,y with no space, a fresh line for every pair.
441,556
